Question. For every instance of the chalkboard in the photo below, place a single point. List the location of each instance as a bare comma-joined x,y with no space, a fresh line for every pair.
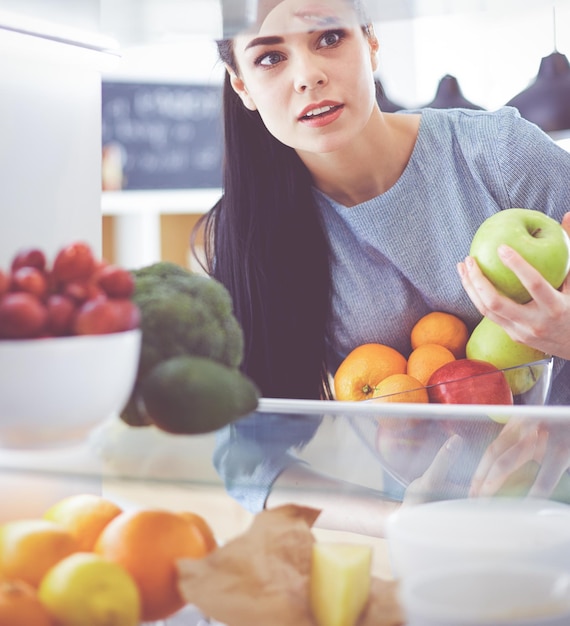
161,136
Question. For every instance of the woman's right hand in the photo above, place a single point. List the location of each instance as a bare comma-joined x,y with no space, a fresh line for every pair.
524,440
544,322
435,483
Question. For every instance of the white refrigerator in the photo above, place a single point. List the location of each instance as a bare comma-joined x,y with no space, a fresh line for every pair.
50,131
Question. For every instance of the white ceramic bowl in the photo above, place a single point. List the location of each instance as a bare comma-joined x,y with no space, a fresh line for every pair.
494,594
477,531
55,390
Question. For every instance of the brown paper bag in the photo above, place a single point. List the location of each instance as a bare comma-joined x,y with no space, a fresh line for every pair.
261,578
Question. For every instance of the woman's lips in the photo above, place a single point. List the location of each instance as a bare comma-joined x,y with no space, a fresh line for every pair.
321,115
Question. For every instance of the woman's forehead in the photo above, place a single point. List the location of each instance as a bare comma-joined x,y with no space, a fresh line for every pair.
280,17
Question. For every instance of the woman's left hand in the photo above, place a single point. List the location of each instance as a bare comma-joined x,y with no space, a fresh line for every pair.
543,323
523,440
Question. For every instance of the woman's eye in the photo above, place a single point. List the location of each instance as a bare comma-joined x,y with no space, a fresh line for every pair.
331,38
268,59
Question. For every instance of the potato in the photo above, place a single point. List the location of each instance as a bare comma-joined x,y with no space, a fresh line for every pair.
339,582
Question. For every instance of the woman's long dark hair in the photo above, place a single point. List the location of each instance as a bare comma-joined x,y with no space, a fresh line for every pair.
265,242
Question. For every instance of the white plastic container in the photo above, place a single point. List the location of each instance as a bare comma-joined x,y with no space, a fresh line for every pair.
477,531
496,594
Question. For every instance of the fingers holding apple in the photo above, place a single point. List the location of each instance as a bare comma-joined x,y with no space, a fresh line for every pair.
566,223
536,237
516,275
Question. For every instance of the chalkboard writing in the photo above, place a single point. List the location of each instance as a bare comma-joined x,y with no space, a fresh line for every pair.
161,136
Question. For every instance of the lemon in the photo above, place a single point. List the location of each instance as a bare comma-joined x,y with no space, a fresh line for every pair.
87,589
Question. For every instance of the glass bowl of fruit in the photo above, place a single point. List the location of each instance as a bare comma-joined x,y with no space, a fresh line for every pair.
69,345
473,381
468,402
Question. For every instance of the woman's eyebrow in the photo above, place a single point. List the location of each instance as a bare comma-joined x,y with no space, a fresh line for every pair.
264,41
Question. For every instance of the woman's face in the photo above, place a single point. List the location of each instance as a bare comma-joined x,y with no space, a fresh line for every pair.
308,70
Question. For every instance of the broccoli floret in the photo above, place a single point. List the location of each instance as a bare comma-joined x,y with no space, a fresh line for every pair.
185,314
162,269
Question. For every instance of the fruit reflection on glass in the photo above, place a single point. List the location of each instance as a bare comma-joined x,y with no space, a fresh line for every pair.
538,238
407,446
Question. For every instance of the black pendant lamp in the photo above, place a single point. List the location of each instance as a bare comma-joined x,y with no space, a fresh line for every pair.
449,96
546,102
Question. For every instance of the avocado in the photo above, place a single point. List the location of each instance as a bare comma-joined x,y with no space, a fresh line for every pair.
194,395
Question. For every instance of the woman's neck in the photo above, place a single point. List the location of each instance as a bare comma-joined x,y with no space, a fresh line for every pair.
373,163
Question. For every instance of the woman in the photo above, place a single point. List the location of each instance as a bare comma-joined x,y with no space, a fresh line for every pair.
341,224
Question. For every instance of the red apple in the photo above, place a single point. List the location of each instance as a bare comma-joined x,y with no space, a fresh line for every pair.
116,282
22,316
31,280
29,257
82,290
61,313
4,282
106,315
128,314
96,317
74,262
469,381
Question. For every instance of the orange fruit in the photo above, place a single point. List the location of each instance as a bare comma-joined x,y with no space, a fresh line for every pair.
401,388
445,329
84,516
28,548
203,527
363,368
425,359
148,543
20,605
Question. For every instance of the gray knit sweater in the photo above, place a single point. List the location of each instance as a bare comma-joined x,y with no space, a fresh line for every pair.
394,257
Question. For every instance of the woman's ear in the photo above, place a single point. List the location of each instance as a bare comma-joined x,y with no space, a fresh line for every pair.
374,46
239,87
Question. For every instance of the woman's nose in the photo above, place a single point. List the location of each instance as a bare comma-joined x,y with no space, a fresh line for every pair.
308,75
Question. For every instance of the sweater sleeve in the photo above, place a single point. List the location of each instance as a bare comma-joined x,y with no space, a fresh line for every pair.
534,169
251,453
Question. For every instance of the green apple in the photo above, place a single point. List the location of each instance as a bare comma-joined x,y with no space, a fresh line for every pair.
490,342
538,238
